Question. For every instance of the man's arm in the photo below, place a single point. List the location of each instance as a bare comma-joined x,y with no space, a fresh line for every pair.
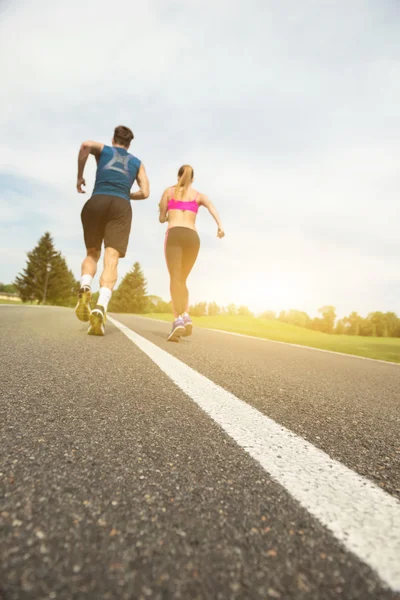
143,183
163,206
86,148
204,201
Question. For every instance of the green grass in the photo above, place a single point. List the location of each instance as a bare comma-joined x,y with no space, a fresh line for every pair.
371,347
10,302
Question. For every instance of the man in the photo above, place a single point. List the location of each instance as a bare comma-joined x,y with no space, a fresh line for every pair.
107,217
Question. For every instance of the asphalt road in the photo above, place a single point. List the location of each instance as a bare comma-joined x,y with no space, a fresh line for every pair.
114,484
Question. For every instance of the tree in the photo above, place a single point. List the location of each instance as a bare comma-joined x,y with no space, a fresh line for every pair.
213,309
295,317
94,299
325,323
340,328
158,305
8,288
46,277
244,311
164,307
130,297
199,309
268,314
392,323
396,329
378,322
231,310
366,328
351,324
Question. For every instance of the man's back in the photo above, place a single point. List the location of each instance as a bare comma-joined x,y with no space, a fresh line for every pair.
116,171
106,218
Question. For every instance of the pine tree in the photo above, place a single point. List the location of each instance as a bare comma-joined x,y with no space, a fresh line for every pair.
46,277
130,297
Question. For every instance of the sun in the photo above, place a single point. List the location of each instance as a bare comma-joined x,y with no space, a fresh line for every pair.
263,291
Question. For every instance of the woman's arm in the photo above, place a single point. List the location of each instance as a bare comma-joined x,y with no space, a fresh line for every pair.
204,201
163,206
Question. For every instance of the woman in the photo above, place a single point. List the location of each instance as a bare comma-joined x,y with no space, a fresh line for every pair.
179,206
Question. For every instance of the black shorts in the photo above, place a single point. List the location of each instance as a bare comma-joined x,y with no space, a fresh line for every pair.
108,219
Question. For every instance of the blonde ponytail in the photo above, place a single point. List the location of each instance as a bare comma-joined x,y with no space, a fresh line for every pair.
185,175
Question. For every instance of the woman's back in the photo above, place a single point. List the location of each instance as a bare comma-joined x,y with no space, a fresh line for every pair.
180,203
182,208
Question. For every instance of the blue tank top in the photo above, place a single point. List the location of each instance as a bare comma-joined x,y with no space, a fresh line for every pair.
116,172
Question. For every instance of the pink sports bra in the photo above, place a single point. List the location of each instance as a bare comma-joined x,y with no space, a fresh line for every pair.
181,205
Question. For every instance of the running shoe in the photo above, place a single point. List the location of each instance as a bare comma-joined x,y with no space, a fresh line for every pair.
82,309
97,321
178,329
187,321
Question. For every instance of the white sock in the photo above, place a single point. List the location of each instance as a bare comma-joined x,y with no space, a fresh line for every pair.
104,297
86,280
185,314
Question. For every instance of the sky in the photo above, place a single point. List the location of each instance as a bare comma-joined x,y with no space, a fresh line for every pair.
289,113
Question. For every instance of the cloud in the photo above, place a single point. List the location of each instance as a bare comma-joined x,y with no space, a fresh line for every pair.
289,114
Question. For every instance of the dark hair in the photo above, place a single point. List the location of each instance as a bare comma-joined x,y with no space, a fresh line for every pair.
123,136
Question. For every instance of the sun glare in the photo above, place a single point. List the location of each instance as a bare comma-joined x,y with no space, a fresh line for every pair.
266,292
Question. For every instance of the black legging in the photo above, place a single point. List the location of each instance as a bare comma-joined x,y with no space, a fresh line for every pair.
181,249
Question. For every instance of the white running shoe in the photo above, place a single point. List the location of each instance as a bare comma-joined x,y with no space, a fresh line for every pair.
97,321
82,309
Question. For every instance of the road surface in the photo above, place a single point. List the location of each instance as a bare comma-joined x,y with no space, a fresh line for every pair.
217,468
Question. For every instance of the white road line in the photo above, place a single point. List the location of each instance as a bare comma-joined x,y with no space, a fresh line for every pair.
21,305
254,337
362,516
